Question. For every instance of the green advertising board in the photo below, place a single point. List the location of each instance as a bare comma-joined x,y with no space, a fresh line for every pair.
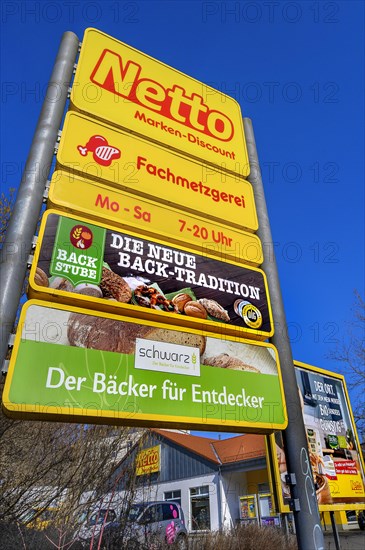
71,364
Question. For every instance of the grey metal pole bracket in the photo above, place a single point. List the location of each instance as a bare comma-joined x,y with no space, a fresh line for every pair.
294,505
11,340
5,367
30,260
290,479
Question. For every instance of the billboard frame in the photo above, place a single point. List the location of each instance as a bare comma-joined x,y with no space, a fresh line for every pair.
272,455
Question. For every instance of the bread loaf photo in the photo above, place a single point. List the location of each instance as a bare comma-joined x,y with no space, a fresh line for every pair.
87,331
226,361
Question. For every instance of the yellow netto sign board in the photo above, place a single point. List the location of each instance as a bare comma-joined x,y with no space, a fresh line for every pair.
78,195
148,461
131,90
97,151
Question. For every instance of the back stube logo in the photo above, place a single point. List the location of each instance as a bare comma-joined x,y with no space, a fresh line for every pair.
81,236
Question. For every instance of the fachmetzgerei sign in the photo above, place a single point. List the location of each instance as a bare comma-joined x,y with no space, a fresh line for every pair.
133,91
72,364
79,261
96,151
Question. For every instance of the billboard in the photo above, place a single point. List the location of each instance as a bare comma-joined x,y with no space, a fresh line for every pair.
71,364
99,266
125,87
334,452
95,200
96,151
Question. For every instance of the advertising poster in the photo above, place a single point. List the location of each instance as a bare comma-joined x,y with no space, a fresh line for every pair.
116,83
69,364
248,509
109,270
333,447
93,199
93,150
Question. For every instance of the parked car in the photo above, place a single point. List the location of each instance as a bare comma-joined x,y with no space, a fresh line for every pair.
101,520
158,522
39,519
146,525
361,519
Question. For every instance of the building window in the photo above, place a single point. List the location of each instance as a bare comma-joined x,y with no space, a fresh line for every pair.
200,509
173,495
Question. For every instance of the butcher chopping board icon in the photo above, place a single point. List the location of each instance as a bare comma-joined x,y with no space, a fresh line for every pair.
103,153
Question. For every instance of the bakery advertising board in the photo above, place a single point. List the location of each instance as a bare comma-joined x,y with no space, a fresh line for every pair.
91,198
334,450
98,266
69,364
125,87
96,151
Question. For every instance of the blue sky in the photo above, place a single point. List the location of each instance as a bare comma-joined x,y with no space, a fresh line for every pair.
296,69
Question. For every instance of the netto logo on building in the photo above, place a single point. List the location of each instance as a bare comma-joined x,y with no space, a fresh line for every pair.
148,461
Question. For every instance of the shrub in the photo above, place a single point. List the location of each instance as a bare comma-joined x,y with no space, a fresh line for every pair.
250,537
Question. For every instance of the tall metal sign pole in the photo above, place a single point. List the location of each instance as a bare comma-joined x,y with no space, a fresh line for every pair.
303,493
18,242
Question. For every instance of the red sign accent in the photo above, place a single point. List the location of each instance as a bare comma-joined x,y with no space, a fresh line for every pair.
103,153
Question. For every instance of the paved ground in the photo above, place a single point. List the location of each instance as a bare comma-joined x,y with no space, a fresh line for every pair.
349,540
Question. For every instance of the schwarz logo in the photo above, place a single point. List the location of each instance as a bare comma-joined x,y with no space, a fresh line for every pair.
81,237
163,355
123,79
166,357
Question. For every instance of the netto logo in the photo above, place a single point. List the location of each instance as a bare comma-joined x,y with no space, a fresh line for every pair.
81,237
162,355
148,458
123,78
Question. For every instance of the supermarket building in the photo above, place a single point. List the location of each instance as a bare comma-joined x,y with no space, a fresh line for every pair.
219,483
